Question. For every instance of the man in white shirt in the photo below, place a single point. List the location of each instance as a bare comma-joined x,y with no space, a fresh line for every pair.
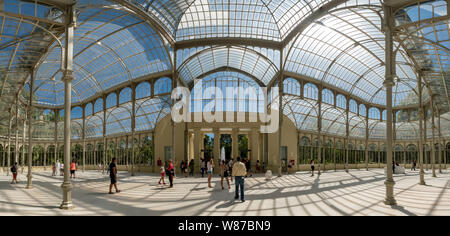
239,172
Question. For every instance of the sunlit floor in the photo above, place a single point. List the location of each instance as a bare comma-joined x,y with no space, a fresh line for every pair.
334,193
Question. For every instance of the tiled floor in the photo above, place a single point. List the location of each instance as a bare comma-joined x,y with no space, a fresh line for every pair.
334,193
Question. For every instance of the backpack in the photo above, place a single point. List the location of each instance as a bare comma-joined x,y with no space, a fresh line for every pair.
13,169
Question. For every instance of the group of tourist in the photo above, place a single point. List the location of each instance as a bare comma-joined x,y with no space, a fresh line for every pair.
58,169
238,170
228,170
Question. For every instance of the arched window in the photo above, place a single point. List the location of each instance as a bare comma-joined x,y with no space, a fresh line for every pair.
362,110
411,154
399,154
373,154
125,95
304,154
61,115
77,113
311,91
111,100
353,106
98,106
328,97
143,90
374,113
341,101
292,86
163,86
88,109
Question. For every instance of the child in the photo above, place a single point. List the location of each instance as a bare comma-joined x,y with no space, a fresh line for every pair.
163,173
14,170
53,169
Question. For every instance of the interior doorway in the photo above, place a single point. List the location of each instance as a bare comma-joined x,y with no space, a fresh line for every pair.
208,147
243,146
226,143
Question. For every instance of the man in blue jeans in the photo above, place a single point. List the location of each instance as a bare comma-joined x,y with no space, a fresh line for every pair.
239,172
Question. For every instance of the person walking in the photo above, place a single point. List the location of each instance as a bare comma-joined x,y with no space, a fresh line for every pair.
191,168
224,174
73,169
58,168
230,168
53,169
61,170
113,176
313,168
239,172
171,173
202,167
163,173
210,168
14,170
248,166
414,165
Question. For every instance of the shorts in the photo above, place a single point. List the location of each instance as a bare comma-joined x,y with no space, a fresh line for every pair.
113,180
72,172
163,174
313,168
209,172
225,174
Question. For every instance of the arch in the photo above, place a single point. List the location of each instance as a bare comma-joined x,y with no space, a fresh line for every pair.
353,106
292,87
118,120
89,109
98,105
111,100
125,95
328,97
143,90
77,113
341,101
374,113
244,59
94,127
163,86
311,91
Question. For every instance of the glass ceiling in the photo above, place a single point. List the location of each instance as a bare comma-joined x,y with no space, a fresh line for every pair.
428,41
233,58
346,50
111,47
261,19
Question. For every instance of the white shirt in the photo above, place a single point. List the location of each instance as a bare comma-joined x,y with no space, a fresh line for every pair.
210,166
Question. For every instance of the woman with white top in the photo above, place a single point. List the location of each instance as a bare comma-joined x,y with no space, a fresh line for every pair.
210,168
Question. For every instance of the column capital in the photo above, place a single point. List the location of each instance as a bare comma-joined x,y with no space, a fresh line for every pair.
68,76
389,82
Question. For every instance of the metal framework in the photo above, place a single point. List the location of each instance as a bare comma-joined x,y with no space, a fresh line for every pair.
366,70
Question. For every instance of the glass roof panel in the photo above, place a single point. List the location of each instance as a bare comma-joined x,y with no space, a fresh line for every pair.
225,18
151,111
346,50
238,58
111,47
425,29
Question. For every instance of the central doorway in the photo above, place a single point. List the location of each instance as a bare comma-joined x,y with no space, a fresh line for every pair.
226,143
